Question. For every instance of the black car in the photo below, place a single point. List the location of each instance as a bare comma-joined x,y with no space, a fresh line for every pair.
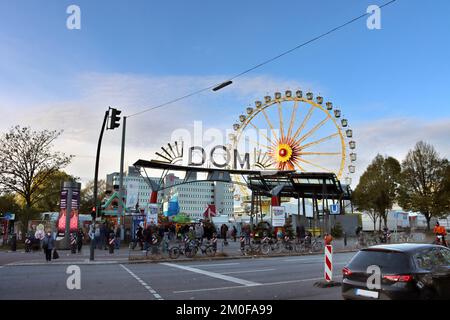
406,271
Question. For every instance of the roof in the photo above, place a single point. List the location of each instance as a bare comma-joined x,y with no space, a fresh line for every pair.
402,247
155,164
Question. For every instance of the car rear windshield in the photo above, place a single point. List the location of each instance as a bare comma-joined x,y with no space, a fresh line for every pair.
388,261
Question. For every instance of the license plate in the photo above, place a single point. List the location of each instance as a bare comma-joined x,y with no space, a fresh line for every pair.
366,293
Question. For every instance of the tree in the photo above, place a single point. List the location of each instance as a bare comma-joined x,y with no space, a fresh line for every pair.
87,195
425,182
378,188
27,162
51,190
8,203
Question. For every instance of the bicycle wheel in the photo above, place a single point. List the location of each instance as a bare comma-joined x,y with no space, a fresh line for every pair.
277,247
317,247
210,252
174,252
265,248
247,250
190,251
299,247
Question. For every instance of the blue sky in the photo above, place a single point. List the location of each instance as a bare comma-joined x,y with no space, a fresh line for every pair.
397,76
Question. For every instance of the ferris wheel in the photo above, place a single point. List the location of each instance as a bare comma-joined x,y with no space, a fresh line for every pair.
295,132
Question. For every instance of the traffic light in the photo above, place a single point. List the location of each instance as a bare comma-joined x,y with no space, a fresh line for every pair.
114,121
93,213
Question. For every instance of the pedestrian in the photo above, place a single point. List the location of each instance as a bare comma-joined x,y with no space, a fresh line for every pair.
48,244
140,236
234,233
118,232
80,237
103,237
199,232
223,232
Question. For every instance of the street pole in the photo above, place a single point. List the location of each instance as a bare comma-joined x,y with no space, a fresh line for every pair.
121,213
68,212
97,159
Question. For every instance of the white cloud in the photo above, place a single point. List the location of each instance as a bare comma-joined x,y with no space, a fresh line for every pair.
81,117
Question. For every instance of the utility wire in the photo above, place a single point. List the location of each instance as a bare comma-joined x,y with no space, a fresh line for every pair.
262,63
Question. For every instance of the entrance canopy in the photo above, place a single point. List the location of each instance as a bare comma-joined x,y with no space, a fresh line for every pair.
264,183
299,185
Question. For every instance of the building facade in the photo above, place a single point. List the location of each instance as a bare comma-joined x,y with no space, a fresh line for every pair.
193,198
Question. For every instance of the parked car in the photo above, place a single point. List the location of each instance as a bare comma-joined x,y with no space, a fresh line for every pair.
407,271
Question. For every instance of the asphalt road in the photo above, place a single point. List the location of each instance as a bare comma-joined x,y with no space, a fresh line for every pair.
281,278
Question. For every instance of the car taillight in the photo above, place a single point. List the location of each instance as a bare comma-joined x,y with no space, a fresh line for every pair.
398,278
346,272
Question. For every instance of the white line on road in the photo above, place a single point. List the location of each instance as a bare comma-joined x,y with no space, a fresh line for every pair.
261,285
214,275
214,265
146,286
249,271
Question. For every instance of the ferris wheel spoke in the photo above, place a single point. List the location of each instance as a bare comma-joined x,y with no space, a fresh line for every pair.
258,144
280,115
291,125
305,121
320,153
269,123
315,165
265,136
314,129
300,167
320,141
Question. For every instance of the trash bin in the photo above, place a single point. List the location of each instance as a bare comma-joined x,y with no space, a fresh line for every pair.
13,241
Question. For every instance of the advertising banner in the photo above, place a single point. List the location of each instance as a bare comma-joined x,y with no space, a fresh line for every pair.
132,195
152,213
278,216
137,221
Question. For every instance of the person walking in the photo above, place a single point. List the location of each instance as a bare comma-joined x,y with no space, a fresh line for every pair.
118,232
223,232
234,233
80,237
48,244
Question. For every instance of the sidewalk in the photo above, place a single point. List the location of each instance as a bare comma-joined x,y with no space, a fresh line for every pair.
125,255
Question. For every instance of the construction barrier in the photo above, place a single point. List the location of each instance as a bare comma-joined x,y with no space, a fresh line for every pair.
328,263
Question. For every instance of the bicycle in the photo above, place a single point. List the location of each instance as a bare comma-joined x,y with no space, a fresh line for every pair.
268,245
187,249
286,245
206,249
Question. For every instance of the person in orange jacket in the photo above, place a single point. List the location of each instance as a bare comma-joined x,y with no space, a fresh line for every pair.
440,230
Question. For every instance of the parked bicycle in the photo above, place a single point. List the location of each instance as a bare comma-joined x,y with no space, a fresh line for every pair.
207,248
186,248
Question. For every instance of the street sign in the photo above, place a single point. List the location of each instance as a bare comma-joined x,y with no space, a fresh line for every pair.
334,209
9,216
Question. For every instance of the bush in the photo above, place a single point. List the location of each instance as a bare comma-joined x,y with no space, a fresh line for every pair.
336,231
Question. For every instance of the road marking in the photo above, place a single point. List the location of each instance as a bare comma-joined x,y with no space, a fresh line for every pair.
145,285
213,275
248,271
260,285
304,260
213,265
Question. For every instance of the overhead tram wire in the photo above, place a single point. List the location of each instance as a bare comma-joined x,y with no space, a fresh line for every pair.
229,81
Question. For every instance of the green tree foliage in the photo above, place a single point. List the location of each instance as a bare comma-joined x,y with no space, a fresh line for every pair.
425,183
336,231
378,187
51,191
87,195
26,164
8,203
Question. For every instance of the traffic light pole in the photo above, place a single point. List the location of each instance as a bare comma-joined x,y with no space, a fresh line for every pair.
122,153
97,159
